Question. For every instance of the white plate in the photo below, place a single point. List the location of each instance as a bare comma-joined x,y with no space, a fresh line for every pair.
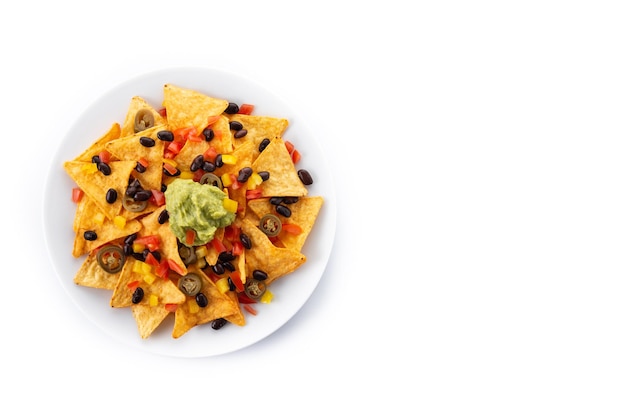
290,292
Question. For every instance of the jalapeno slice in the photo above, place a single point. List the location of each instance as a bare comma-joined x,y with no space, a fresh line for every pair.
211,179
133,205
270,225
187,254
255,289
111,258
144,119
190,284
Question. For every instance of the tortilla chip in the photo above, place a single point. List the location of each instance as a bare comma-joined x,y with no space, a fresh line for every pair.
98,146
259,128
138,103
222,143
130,149
96,184
148,318
237,318
283,180
265,256
169,242
304,212
186,108
165,291
90,274
220,305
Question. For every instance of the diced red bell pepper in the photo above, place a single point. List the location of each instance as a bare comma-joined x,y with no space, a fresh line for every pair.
235,277
77,194
246,108
175,267
190,237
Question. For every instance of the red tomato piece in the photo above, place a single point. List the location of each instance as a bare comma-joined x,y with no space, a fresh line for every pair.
158,197
171,307
253,194
218,245
250,309
290,146
190,237
244,299
133,285
77,194
152,242
152,260
105,156
175,267
163,269
237,248
235,277
295,156
292,228
246,108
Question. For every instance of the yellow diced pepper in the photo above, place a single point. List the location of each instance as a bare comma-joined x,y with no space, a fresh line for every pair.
267,296
89,168
222,285
119,222
98,218
193,306
230,205
187,175
226,180
149,278
153,300
254,180
229,159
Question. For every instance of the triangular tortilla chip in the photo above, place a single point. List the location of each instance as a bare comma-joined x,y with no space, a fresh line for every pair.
283,180
304,212
90,274
98,146
275,262
220,305
237,318
130,149
148,318
259,128
222,143
96,184
186,108
165,291
245,157
169,242
138,103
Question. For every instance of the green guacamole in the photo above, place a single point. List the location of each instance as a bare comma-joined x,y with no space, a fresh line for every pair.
196,206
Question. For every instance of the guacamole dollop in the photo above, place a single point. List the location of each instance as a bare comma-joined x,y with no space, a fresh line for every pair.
196,206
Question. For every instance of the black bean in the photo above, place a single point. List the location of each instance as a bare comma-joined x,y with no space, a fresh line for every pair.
165,136
276,200
202,300
197,162
130,239
111,196
226,256
104,168
232,108
263,144
235,125
218,323
163,217
245,241
128,249
138,256
137,295
305,177
140,168
290,200
143,195
147,142
95,159
90,235
156,254
208,166
265,175
218,268
208,134
169,174
240,134
231,284
229,266
218,160
259,275
163,188
283,210
244,174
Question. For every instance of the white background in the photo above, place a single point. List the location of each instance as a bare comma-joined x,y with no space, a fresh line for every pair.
479,157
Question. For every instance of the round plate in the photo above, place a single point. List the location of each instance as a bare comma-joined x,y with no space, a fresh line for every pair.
290,292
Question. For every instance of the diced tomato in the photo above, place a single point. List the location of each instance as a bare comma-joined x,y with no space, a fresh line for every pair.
169,168
77,194
152,242
105,156
246,108
158,197
244,299
210,154
218,245
231,232
133,285
235,277
218,134
290,146
175,267
292,228
152,260
163,112
144,162
295,156
174,147
250,309
235,184
190,237
253,194
163,269
171,307
237,248
212,119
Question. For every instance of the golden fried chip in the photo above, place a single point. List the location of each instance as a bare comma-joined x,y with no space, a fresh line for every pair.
129,148
148,318
236,318
283,180
189,314
95,184
90,274
98,146
244,155
259,128
186,108
304,212
263,255
141,106
222,144
156,290
94,229
169,243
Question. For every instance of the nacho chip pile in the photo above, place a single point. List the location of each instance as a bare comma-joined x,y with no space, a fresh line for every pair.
122,220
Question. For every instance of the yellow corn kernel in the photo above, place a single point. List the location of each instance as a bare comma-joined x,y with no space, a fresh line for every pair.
230,205
119,222
98,218
267,297
193,306
226,180
229,159
149,278
153,300
222,285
